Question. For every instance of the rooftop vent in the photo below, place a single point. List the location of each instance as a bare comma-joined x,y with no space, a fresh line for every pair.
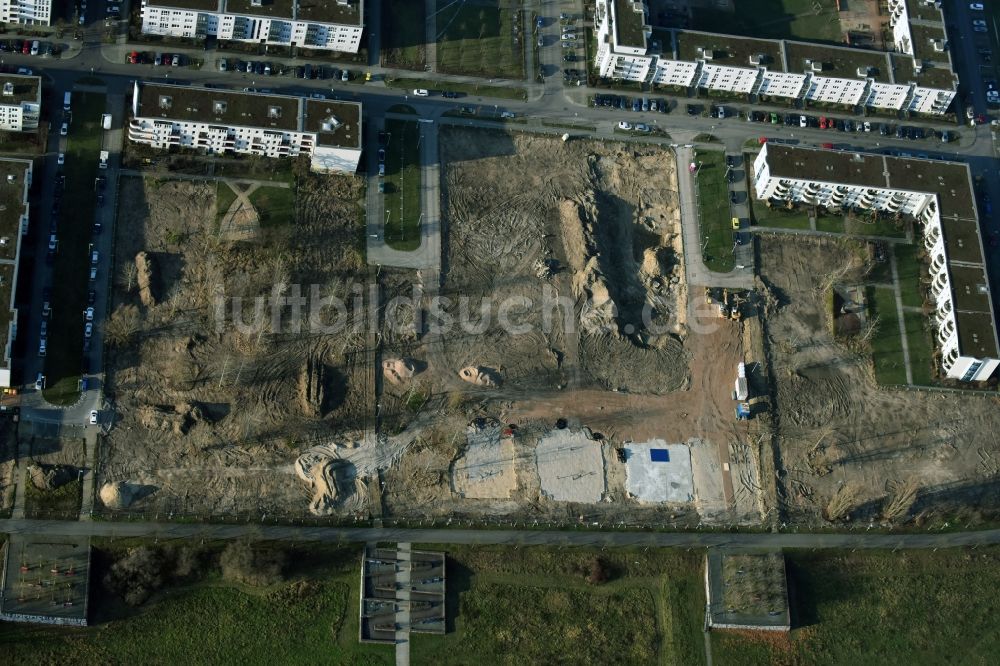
938,45
707,54
274,112
757,58
8,88
863,72
11,179
5,241
331,123
815,65
218,107
255,3
166,102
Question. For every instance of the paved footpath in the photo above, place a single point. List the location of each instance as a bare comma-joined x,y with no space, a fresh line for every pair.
590,538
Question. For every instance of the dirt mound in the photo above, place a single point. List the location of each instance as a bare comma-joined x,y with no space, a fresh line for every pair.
119,495
479,376
321,472
178,419
50,477
144,277
312,388
398,370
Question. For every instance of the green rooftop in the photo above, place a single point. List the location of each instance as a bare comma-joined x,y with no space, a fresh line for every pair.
630,24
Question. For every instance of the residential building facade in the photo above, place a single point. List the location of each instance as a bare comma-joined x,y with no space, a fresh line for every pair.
918,78
222,121
939,196
26,12
330,25
20,103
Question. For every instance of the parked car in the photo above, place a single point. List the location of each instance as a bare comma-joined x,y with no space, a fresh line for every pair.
421,92
641,127
34,47
93,417
568,36
89,314
39,381
64,129
976,6
157,60
223,66
88,329
623,125
803,121
61,159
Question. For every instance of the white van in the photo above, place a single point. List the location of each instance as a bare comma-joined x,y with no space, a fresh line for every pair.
67,97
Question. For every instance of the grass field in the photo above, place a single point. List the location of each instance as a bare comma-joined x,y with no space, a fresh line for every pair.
778,217
505,92
403,34
478,40
713,211
214,622
909,270
874,608
534,606
63,503
864,226
920,346
887,346
275,205
402,184
224,198
832,223
809,20
69,272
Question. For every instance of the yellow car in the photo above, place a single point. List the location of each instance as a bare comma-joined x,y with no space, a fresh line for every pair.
736,223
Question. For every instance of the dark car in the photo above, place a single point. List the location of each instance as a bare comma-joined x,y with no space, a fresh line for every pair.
791,119
449,94
637,104
883,129
918,133
900,132
97,228
381,138
693,110
734,197
91,297
848,125
619,103
50,257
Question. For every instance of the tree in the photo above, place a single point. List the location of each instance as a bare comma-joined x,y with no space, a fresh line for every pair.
122,325
137,575
600,572
127,275
245,562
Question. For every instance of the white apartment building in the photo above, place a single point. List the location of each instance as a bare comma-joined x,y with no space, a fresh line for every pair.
15,181
223,121
629,50
331,25
940,196
26,12
20,102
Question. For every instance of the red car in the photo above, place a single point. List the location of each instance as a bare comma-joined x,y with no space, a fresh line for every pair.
133,57
822,122
26,49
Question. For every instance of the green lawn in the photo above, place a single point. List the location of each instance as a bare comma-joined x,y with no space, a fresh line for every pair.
875,608
505,92
918,341
863,225
315,622
779,217
909,270
831,223
402,184
224,198
887,346
275,205
774,19
713,211
403,34
70,270
63,503
478,40
534,606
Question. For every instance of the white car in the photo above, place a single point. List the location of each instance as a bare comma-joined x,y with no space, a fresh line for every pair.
61,159
88,330
64,130
976,6
623,125
34,47
318,96
568,37
89,314
979,22
803,121
39,382
93,417
421,92
868,126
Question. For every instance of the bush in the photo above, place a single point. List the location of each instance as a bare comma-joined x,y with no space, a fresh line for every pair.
244,562
138,574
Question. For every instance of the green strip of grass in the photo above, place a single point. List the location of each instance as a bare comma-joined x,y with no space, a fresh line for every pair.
275,205
64,355
402,184
887,346
403,34
506,92
908,268
478,40
224,198
778,217
713,211
830,223
918,342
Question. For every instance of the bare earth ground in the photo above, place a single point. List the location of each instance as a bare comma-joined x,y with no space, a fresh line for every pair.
213,418
839,429
602,218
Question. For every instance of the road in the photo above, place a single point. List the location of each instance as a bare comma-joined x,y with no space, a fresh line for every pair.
589,538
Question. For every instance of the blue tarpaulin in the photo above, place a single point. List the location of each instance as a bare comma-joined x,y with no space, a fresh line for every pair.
659,455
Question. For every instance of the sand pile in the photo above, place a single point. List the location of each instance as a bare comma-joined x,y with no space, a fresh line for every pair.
312,388
50,477
320,472
398,370
480,376
179,419
577,221
118,495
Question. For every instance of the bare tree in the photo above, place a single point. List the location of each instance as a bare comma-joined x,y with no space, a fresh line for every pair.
902,495
122,325
127,276
842,502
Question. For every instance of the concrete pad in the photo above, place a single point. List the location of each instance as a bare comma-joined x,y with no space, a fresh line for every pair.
659,472
570,467
486,471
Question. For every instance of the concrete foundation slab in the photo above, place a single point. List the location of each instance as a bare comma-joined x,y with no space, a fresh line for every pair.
659,472
570,466
486,471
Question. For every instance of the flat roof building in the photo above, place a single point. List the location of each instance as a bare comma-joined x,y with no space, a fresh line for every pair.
20,102
15,181
920,79
940,197
26,12
224,121
330,25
